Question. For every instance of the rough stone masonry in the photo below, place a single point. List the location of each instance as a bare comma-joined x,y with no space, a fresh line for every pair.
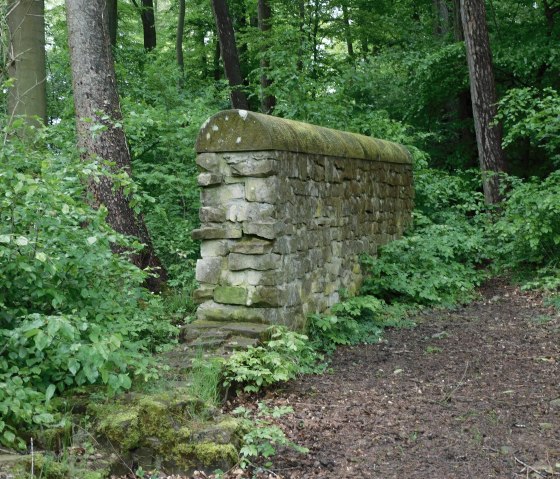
286,210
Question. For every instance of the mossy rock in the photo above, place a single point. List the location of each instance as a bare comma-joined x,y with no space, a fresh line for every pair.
158,430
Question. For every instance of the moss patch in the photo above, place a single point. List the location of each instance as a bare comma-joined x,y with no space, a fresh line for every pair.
163,425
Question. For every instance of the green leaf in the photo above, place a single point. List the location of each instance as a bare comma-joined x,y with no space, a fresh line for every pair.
22,241
9,437
49,393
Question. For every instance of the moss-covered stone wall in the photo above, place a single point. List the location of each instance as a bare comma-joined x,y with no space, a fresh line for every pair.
286,209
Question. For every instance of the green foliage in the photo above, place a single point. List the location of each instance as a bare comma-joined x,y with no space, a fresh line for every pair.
433,265
532,114
284,356
71,312
263,437
205,379
438,261
528,232
356,320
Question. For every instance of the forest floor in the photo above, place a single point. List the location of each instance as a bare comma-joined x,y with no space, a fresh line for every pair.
472,392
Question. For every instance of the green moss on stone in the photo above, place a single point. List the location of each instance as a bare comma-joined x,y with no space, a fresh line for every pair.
230,295
210,454
239,130
120,425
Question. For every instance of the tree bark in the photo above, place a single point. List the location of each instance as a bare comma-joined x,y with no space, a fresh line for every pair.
347,31
179,43
301,48
26,27
268,101
96,102
230,56
148,17
483,95
111,16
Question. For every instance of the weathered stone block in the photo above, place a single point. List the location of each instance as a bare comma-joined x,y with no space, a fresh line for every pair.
209,161
214,248
208,179
264,278
254,167
208,270
238,262
251,246
267,296
264,190
210,233
212,311
203,293
208,214
263,229
244,211
220,195
230,295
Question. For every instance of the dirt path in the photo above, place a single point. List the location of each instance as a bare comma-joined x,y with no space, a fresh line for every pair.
470,393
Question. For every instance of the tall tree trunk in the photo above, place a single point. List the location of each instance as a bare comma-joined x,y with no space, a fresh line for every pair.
268,101
347,31
483,94
26,27
216,60
95,99
179,44
230,56
441,18
301,47
148,17
111,16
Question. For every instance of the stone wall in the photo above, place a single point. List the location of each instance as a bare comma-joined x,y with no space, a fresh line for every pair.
286,209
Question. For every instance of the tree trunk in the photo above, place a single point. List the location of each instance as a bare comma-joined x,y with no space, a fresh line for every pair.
230,57
483,94
441,18
216,60
95,100
179,43
347,31
26,26
301,48
111,16
268,101
147,14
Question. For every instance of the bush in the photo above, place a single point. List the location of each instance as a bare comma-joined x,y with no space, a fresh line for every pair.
286,355
527,234
71,312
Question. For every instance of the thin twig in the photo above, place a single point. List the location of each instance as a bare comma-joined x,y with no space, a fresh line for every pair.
529,468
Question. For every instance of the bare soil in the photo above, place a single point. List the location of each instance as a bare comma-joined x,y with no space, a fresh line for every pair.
468,393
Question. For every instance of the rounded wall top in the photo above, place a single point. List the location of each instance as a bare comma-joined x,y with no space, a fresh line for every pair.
242,130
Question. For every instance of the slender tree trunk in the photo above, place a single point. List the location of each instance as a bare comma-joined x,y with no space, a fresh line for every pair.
179,43
95,100
230,56
216,61
301,48
347,31
148,17
268,101
26,27
441,18
111,16
483,94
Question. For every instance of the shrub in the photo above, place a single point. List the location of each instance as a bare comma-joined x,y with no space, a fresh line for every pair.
71,312
527,234
284,356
